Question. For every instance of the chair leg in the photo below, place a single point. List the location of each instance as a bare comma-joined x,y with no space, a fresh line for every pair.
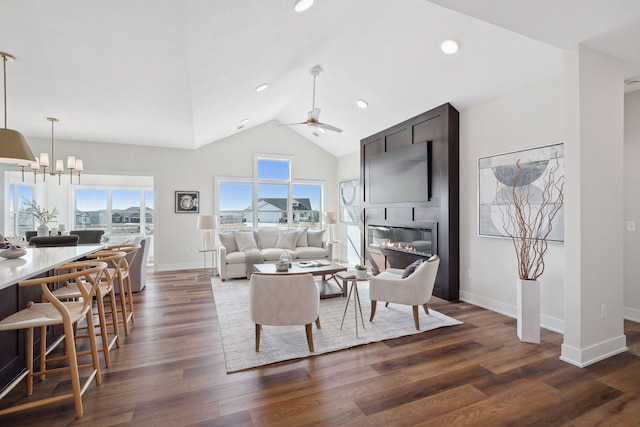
308,328
114,316
426,309
318,323
132,315
373,310
104,336
415,317
258,328
29,360
43,351
386,304
70,347
123,305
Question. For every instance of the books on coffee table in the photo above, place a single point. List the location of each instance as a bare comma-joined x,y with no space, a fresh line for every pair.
319,263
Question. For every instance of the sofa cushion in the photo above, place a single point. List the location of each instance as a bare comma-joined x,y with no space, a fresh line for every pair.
302,239
245,240
312,252
273,254
287,239
228,240
236,258
267,237
314,238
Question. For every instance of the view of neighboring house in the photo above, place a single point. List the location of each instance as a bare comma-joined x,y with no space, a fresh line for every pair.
274,211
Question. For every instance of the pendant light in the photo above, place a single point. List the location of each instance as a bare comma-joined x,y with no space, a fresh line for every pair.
13,147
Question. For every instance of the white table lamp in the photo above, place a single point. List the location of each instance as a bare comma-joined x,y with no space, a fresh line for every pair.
332,218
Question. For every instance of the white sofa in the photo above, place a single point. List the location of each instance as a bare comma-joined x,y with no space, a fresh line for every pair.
304,244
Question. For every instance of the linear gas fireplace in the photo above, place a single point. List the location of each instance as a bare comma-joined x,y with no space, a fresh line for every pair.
422,242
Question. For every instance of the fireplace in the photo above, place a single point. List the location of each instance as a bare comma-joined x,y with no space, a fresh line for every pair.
417,242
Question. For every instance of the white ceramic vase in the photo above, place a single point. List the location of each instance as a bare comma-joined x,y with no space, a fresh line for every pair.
43,230
528,299
361,274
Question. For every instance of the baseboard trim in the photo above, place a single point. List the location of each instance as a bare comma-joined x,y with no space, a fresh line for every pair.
547,322
632,314
594,353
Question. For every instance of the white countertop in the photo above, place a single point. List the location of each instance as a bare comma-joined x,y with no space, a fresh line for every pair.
39,260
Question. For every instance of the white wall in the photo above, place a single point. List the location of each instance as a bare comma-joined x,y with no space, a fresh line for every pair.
529,118
194,170
632,205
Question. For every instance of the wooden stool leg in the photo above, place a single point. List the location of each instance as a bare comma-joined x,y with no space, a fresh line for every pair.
43,351
94,347
70,348
29,360
114,316
123,305
103,330
132,315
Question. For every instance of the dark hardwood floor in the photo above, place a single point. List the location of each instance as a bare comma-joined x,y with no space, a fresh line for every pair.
170,371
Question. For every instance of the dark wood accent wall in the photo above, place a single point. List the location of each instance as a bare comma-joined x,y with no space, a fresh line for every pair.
440,128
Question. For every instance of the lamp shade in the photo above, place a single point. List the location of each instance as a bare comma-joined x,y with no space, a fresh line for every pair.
14,148
332,217
206,222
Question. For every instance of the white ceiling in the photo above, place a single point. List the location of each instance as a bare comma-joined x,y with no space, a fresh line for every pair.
182,73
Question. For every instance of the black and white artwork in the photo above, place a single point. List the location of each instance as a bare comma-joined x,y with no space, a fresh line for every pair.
496,175
350,201
187,201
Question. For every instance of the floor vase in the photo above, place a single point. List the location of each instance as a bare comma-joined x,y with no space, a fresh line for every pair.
528,297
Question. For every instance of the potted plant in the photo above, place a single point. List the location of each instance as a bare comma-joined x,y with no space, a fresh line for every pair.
43,216
528,214
361,272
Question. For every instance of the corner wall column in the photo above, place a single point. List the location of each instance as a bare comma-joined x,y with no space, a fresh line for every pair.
594,285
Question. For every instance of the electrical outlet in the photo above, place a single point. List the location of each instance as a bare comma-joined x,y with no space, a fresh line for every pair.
631,226
186,251
468,273
603,311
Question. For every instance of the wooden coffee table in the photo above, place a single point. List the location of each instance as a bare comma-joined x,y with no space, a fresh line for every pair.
327,289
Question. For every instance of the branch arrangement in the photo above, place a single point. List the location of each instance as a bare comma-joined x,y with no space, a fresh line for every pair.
42,215
528,218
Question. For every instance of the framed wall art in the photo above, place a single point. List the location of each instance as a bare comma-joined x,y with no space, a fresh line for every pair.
496,175
349,201
187,201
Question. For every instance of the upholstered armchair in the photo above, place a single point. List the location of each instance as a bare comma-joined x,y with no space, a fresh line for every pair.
284,300
414,290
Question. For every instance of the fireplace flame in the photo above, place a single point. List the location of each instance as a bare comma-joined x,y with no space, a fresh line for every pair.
398,246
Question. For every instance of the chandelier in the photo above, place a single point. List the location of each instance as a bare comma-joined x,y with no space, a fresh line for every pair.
43,162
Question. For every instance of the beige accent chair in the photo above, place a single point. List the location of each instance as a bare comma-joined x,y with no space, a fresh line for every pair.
56,312
414,290
284,300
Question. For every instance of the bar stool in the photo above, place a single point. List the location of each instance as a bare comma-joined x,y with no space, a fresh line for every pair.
124,282
67,314
70,291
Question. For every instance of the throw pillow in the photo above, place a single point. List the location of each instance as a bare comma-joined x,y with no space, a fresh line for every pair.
314,238
228,240
287,239
245,240
411,268
302,239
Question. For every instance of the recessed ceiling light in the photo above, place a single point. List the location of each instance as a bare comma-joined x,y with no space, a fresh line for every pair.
262,87
302,5
449,46
362,103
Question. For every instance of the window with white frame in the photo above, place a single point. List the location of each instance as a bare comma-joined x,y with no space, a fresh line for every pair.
19,222
120,213
273,197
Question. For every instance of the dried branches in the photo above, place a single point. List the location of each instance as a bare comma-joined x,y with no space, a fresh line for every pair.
528,213
42,215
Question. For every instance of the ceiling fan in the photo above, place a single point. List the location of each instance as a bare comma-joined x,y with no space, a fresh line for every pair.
314,114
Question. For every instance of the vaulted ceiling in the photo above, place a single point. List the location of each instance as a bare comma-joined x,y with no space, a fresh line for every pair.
183,74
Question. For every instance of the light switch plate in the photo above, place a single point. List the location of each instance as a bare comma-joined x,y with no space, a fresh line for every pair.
631,226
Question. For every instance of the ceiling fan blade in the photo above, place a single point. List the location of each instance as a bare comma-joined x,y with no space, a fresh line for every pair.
314,114
293,124
328,127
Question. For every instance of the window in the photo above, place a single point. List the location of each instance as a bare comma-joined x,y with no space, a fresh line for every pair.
19,222
273,197
116,211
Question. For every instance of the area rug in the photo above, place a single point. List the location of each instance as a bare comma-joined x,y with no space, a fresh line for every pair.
279,343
